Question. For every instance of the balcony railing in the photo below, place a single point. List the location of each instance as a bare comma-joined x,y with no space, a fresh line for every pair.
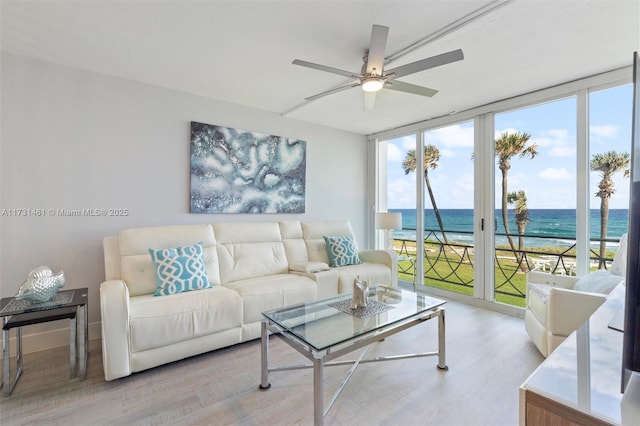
451,265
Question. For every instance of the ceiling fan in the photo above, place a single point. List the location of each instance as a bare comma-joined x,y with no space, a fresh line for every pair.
373,77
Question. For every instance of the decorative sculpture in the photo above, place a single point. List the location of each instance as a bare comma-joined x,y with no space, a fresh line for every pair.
360,293
41,285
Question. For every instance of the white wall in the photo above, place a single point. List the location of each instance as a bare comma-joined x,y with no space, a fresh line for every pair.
73,139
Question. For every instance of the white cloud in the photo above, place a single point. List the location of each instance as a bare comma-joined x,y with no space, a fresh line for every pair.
600,133
558,140
401,192
562,151
447,153
542,141
551,173
408,142
451,137
514,179
394,153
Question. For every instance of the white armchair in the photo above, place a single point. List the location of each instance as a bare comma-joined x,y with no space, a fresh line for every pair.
558,304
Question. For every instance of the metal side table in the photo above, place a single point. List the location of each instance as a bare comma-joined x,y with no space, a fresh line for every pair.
68,304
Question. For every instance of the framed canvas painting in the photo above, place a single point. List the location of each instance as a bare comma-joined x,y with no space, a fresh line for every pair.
237,171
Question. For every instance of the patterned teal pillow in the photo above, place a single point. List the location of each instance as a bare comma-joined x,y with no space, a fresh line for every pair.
179,269
342,251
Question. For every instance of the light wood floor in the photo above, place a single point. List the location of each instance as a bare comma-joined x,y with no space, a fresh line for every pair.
489,355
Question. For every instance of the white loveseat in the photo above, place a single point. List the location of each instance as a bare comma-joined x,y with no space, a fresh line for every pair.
253,267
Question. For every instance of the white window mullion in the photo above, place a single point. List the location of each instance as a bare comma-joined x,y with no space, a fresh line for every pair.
419,266
582,184
484,210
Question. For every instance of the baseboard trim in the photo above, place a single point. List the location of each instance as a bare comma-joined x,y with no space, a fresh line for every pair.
470,300
42,341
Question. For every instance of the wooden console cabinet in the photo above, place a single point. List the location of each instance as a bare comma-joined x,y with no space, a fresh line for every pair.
579,383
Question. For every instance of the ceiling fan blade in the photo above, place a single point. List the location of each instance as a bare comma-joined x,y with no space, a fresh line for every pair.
332,91
425,64
410,88
326,68
369,100
377,45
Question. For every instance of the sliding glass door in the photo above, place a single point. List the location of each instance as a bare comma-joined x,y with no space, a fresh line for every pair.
432,170
609,163
448,208
535,195
536,183
397,193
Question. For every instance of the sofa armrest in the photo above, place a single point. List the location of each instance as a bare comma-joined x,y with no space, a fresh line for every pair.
114,312
326,282
384,257
377,256
569,309
563,281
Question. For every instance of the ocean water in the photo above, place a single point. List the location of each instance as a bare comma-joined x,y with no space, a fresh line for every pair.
556,225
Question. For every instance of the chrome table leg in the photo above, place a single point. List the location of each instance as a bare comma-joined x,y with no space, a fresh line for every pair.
318,392
73,356
264,357
442,353
83,338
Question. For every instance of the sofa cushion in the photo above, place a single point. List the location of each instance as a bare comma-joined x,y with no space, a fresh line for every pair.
137,269
373,273
600,281
179,269
342,250
313,233
160,321
272,292
249,250
294,244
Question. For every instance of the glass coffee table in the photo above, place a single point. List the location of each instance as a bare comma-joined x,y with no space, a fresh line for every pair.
323,330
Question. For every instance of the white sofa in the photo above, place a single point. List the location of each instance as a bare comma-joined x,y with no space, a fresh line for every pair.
253,267
558,304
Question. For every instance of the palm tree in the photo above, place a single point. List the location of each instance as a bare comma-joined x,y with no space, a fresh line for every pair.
431,157
519,198
509,145
607,164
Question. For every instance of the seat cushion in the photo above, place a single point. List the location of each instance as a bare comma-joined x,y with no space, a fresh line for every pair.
161,321
136,266
373,273
272,292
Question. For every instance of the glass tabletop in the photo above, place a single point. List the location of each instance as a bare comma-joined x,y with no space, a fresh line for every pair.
62,299
328,322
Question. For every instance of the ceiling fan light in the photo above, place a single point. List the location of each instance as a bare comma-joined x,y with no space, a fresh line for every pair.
372,84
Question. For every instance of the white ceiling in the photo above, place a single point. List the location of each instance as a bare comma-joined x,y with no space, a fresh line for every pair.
241,51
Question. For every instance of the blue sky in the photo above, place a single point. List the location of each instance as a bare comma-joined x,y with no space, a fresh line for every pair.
549,180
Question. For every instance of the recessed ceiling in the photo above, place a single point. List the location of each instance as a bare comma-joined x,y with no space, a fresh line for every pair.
241,51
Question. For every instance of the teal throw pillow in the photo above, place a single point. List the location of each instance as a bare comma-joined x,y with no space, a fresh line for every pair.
179,269
342,251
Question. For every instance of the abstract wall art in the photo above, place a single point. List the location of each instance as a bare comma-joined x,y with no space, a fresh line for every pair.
236,171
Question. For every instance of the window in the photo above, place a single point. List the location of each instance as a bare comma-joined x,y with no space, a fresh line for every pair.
549,197
610,149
